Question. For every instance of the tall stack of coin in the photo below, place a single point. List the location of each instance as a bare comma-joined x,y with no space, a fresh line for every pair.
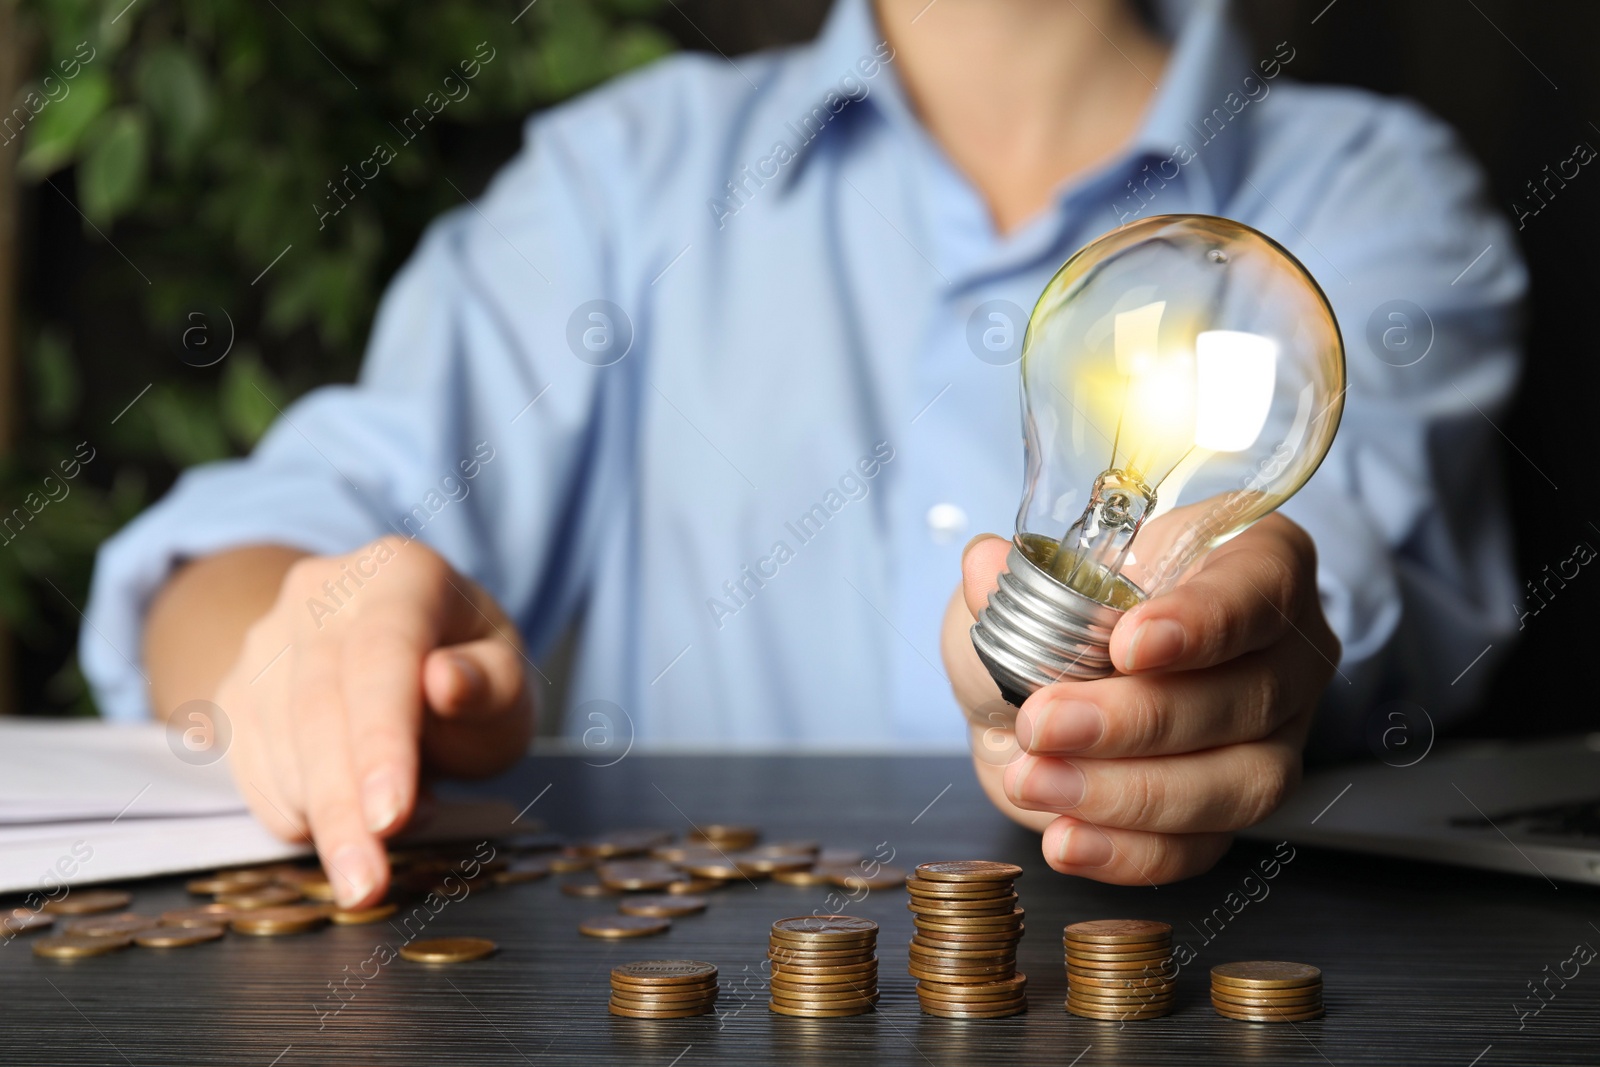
964,955
663,989
1267,991
1120,969
823,965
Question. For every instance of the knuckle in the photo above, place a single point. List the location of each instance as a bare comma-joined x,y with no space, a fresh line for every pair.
1140,721
1139,800
1264,699
1270,786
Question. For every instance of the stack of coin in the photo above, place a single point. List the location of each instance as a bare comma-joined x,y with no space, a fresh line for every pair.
823,965
1267,991
1120,969
964,956
663,989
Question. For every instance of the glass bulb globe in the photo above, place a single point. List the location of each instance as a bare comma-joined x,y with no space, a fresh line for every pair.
1182,377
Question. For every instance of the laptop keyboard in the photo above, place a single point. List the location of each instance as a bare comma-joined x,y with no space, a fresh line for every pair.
1576,820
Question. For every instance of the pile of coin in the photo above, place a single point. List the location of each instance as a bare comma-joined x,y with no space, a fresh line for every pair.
663,989
1120,969
964,955
823,965
1267,991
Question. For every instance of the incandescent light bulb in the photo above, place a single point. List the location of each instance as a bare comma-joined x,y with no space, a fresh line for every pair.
1182,377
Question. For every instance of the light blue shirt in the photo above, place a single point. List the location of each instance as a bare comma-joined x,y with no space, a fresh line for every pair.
719,352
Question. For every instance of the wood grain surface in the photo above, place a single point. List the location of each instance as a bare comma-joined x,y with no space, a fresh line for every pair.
1422,965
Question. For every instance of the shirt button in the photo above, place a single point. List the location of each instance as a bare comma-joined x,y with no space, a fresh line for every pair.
946,522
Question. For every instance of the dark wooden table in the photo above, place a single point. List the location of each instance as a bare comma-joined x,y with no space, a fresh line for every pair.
1423,965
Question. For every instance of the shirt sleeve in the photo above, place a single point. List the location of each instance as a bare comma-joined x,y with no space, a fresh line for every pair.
470,428
1408,510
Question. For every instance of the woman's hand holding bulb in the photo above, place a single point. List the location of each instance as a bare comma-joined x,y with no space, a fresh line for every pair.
1141,777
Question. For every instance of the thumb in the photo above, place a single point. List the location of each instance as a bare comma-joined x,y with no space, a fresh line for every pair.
981,563
476,678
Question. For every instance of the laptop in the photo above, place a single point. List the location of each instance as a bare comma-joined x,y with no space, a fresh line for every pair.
1530,808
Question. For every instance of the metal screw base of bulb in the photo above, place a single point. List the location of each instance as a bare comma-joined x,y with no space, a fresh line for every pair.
1036,631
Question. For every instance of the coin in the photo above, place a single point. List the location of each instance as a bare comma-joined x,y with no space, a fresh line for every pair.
693,886
968,871
635,999
89,902
570,861
176,936
938,1008
1119,931
1097,958
1265,974
824,927
272,922
957,890
718,870
23,921
208,886
362,916
784,1008
1268,1015
616,926
584,888
1287,1003
448,950
662,907
1153,965
646,1013
666,972
267,896
1083,981
629,842
722,834
637,874
78,946
200,915
1123,998
977,937
522,870
1115,1014
124,923
803,876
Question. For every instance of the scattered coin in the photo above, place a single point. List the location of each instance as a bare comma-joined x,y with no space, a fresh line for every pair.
634,875
448,950
89,902
586,888
266,896
625,842
662,906
176,936
23,921
201,915
855,878
804,876
617,926
78,946
124,923
728,838
362,916
277,921
694,886
570,861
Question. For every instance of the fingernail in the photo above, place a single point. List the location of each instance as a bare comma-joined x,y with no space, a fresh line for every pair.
1060,726
1051,782
1155,644
380,799
471,678
1084,846
354,875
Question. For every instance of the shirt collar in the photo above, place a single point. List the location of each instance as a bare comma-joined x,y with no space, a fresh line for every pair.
1208,62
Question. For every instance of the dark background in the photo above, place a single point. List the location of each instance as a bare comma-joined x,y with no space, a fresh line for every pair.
1517,80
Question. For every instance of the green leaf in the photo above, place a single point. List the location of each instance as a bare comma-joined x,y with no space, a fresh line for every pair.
173,87
187,426
57,129
251,398
56,387
115,162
